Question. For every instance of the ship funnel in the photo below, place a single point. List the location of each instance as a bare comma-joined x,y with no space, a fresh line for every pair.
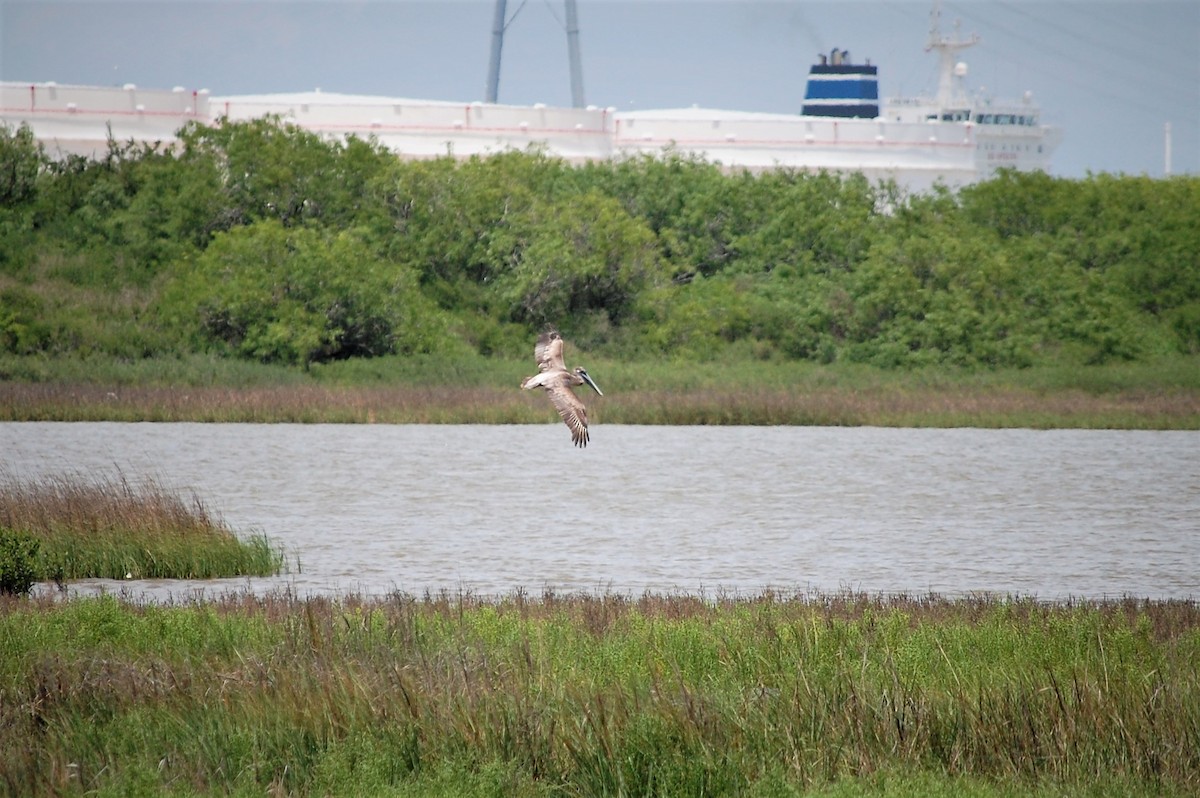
838,88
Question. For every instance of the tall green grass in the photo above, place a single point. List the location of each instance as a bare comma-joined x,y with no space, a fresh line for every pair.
601,695
109,528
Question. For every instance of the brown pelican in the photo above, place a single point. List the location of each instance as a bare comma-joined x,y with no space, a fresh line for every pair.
554,377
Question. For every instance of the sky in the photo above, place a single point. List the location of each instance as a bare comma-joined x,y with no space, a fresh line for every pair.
1112,75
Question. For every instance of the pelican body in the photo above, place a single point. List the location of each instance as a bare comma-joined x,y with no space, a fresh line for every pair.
558,381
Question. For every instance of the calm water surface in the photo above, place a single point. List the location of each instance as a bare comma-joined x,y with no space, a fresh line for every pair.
699,509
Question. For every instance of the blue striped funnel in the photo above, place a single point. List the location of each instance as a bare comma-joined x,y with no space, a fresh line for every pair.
839,88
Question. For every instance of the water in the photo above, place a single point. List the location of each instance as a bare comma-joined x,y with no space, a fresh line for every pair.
491,509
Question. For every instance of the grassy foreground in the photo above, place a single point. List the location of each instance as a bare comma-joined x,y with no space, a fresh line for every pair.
108,528
1148,395
600,695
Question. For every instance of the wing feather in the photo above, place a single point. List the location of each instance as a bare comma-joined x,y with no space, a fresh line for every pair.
548,352
571,410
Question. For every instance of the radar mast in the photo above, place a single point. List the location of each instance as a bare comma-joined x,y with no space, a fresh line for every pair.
949,91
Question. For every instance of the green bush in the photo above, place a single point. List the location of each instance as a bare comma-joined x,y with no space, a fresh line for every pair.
300,295
588,256
259,240
18,562
22,158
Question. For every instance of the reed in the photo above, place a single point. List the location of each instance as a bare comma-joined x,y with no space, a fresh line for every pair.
90,527
600,694
888,404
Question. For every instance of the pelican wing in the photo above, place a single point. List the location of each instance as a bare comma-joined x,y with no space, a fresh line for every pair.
548,352
570,409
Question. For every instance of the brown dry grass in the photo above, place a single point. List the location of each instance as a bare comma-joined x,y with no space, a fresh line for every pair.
97,506
106,527
937,406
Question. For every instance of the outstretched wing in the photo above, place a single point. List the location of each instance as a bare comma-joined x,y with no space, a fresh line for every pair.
548,352
571,410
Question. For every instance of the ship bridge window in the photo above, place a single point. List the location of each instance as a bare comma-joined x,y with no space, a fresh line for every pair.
1008,119
956,116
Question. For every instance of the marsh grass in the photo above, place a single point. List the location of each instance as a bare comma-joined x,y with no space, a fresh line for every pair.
601,695
91,527
893,405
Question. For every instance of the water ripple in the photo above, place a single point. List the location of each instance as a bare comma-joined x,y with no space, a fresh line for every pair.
494,508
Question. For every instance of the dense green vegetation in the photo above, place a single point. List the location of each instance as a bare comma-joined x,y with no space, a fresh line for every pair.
263,242
62,528
599,695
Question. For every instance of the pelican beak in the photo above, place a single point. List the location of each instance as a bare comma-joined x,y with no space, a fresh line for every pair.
591,382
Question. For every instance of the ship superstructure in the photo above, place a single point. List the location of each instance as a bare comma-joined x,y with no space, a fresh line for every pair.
1004,133
952,137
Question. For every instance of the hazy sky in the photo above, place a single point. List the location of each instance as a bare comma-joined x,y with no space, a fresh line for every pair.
1109,73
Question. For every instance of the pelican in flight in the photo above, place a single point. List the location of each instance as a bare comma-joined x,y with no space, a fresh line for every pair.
554,377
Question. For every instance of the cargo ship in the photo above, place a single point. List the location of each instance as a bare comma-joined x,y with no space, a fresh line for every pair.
952,136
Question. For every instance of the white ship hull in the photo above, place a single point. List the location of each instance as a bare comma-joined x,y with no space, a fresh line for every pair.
80,119
915,154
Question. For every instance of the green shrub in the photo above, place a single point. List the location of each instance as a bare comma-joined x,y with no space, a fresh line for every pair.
22,157
18,562
258,240
298,295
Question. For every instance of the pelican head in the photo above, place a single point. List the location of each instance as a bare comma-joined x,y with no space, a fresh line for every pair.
581,372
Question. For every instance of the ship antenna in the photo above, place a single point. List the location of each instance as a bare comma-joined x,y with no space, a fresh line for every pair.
948,49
